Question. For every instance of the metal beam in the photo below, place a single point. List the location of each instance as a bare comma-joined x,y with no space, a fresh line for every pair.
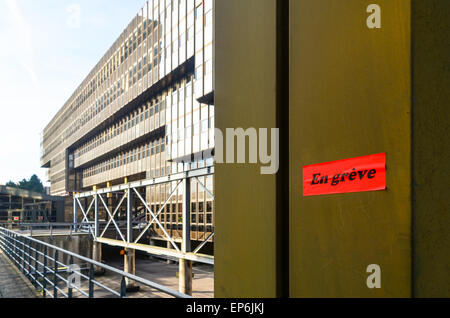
86,215
160,251
96,219
112,218
204,187
155,218
114,214
184,254
75,217
129,215
149,182
204,243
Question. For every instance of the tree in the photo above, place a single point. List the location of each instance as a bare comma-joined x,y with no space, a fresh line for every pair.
11,184
34,184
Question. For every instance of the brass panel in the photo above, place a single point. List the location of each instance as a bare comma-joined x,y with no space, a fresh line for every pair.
431,82
350,91
245,83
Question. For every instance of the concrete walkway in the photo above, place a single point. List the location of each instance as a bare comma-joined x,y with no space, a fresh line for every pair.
12,283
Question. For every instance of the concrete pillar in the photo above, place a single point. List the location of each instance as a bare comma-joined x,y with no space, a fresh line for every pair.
130,267
97,256
22,213
185,276
22,219
10,216
10,220
169,246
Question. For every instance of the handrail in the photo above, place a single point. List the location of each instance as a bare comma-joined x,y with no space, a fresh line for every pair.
73,227
19,248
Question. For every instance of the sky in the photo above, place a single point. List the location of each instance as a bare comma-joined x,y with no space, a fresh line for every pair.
47,48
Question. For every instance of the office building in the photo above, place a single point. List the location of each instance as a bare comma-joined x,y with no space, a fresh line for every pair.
137,115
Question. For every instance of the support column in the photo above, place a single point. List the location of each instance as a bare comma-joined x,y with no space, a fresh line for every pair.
97,246
97,256
22,213
10,216
185,266
129,215
96,217
130,268
75,220
185,277
169,246
130,254
110,199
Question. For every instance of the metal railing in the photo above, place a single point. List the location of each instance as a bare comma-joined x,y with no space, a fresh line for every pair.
43,264
66,228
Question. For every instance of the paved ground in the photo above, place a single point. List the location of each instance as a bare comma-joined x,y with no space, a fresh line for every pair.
165,274
12,283
159,272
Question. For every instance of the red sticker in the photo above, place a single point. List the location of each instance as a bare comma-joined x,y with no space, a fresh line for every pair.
16,218
345,176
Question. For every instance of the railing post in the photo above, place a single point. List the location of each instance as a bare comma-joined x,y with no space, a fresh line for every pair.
55,277
44,284
7,240
27,257
4,238
15,249
22,241
36,256
70,290
91,281
11,247
123,288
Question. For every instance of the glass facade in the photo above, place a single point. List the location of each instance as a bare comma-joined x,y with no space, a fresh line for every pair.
163,36
136,115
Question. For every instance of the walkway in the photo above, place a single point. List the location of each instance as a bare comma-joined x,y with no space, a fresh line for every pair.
12,283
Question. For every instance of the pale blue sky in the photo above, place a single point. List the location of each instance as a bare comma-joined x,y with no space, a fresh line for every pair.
45,53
